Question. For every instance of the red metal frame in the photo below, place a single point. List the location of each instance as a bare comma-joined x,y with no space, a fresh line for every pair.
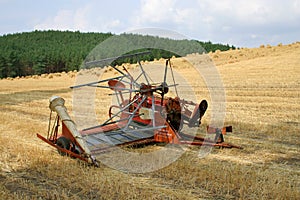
144,97
72,154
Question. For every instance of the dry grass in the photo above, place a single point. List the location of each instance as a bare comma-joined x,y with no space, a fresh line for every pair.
262,87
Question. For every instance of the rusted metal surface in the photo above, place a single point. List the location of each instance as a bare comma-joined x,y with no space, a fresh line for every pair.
146,116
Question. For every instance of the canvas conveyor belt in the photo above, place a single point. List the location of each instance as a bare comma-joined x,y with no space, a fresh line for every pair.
101,141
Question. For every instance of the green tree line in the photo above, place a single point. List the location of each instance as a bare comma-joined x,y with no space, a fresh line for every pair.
38,52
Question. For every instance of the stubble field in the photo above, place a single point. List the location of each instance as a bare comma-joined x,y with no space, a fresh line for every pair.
262,88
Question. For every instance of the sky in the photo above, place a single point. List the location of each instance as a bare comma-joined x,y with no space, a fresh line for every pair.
242,23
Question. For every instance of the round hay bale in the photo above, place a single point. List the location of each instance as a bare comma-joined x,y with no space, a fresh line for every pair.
71,75
80,73
98,73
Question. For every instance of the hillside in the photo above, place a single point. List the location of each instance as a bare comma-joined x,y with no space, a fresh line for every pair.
262,88
39,52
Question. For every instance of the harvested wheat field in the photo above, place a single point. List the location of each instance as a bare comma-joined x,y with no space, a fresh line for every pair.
262,88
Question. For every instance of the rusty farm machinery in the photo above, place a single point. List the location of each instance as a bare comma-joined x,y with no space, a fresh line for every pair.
143,114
